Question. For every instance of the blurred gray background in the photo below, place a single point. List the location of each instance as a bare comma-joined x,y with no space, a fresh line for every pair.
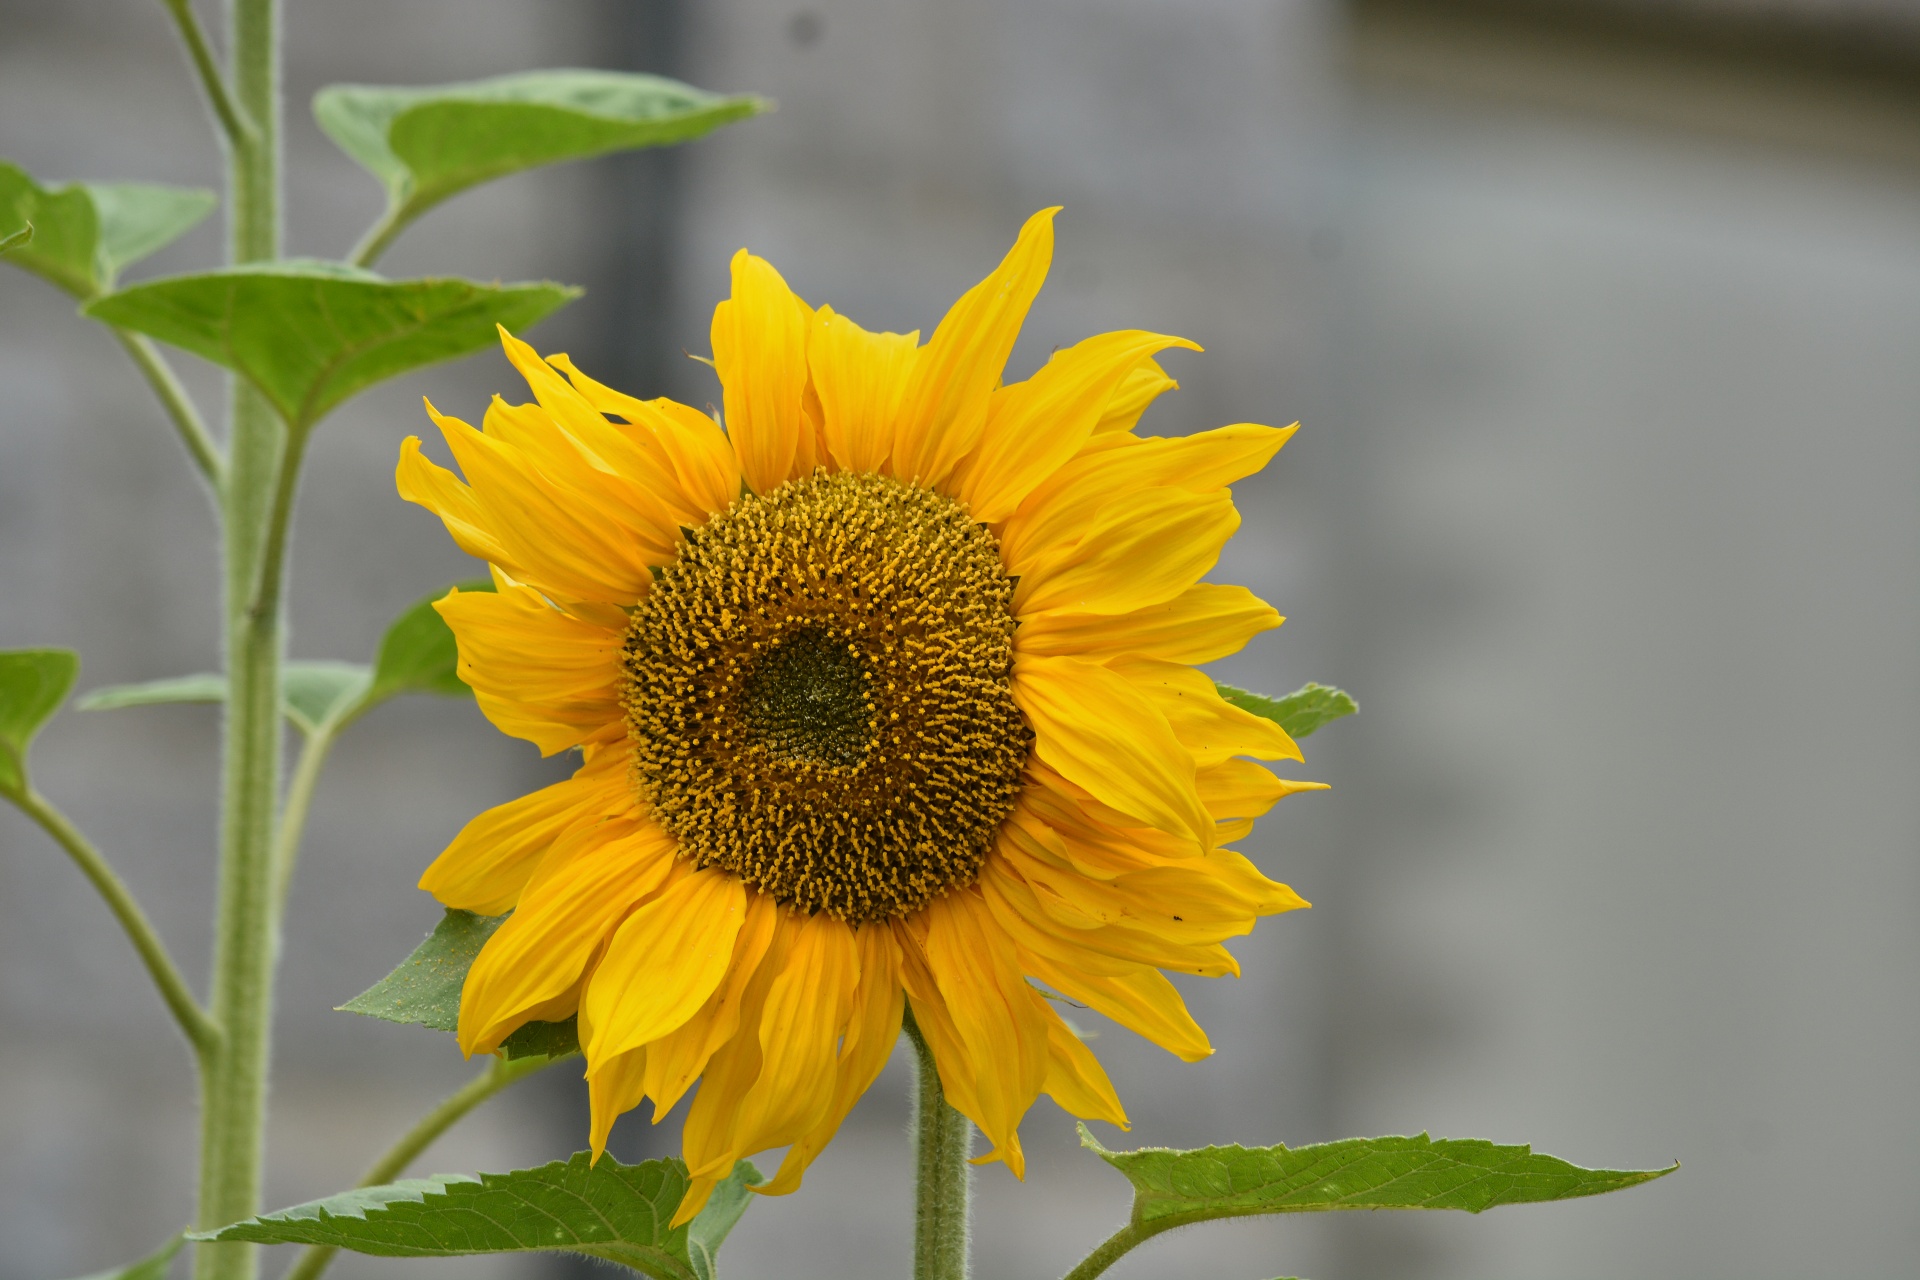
1604,323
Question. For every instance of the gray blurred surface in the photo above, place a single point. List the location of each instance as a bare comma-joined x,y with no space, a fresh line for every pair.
1603,506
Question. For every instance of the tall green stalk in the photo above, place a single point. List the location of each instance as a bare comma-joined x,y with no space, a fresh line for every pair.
233,1090
943,1180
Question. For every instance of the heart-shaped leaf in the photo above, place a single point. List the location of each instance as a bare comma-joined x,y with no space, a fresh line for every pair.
607,1210
418,654
426,144
311,334
33,684
84,234
1300,712
425,989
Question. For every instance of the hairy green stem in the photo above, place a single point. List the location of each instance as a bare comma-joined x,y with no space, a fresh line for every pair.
179,406
381,234
232,123
499,1074
200,1030
943,1180
233,1090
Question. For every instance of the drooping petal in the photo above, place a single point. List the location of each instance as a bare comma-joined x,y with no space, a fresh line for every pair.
1205,622
1034,427
995,1013
860,378
945,406
1099,732
663,963
675,1060
613,1090
1075,1078
427,484
807,1008
537,673
760,351
872,1028
585,886
490,861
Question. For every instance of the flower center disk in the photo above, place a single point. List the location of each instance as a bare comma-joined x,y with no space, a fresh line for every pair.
818,694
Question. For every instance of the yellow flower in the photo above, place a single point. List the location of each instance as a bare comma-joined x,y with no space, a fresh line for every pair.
884,697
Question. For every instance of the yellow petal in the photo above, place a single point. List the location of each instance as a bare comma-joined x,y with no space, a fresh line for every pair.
1109,478
760,351
1206,621
872,1028
1075,1078
612,1091
807,1007
536,673
1132,557
1143,1001
429,485
1145,384
945,406
490,861
995,1013
591,879
1034,427
1208,726
663,963
560,538
1242,789
1091,725
675,1060
860,378
704,468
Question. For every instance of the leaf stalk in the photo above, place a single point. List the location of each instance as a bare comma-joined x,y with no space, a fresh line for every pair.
201,1031
234,124
179,406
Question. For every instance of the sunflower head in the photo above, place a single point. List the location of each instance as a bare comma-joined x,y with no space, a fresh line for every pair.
884,687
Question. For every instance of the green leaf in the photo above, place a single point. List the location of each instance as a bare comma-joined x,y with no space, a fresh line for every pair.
1300,712
13,240
607,1210
139,218
418,655
152,1267
311,334
425,989
85,233
315,694
1172,1188
206,686
33,684
426,144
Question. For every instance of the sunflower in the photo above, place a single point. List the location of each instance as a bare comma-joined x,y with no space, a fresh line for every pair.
884,697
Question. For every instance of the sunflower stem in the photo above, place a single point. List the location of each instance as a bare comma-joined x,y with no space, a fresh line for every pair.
233,1087
943,1180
